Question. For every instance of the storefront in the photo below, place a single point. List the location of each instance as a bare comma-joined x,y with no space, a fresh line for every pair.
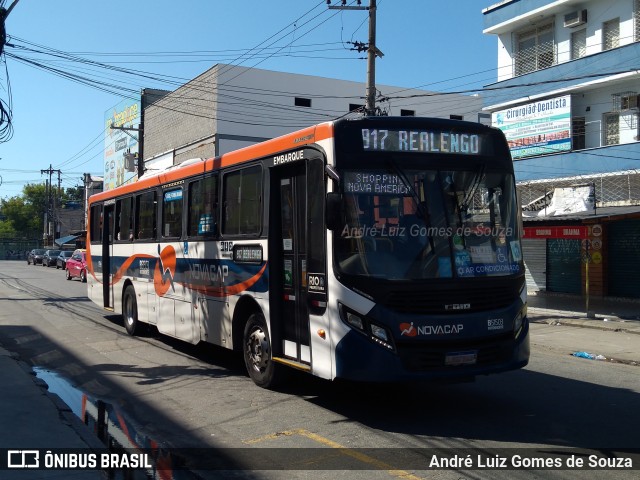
600,252
623,258
553,256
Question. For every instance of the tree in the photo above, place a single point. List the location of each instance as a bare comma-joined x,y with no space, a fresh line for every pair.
7,230
25,214
73,194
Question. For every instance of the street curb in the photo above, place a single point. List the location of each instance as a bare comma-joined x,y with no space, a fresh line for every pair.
579,319
64,411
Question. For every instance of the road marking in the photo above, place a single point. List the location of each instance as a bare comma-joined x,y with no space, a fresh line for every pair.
377,464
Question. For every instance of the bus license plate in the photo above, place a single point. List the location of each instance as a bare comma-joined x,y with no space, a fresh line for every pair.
461,358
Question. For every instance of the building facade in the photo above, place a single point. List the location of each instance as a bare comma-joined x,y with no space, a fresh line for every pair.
229,107
567,97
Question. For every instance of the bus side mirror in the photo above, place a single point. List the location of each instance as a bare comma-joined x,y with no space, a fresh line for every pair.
334,211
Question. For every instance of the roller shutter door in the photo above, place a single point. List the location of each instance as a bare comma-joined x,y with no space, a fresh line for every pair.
624,258
534,251
564,268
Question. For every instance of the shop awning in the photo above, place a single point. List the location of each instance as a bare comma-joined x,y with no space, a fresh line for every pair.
63,240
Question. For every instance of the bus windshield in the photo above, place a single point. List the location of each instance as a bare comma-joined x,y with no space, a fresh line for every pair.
408,224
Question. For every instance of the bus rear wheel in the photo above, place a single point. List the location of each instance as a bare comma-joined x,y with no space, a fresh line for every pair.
130,310
256,347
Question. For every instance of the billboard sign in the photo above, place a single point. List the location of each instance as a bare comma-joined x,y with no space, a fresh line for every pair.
537,128
121,146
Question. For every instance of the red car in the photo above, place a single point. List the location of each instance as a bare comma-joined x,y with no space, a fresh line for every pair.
77,266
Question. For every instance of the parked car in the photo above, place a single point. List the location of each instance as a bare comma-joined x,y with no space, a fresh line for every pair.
49,258
61,261
77,265
35,256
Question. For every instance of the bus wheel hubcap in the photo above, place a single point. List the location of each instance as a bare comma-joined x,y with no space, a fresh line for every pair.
258,349
129,312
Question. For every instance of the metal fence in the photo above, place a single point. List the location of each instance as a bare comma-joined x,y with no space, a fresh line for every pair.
612,189
17,249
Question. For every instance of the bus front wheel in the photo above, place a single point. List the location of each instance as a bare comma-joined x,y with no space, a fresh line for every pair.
256,347
130,310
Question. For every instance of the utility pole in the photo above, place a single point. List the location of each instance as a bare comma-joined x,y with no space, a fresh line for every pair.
140,130
4,13
51,203
372,50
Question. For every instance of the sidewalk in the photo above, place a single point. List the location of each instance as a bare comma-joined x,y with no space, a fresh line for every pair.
618,321
618,309
33,418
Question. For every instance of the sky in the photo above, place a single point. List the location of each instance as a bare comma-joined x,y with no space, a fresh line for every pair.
437,45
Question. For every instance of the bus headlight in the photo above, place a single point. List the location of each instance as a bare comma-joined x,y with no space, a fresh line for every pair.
376,333
355,321
379,332
381,336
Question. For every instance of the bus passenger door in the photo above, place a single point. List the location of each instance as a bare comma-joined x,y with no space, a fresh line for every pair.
107,248
288,264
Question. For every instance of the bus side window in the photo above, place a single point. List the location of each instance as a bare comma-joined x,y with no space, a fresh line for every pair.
242,191
203,207
146,209
96,224
172,213
124,219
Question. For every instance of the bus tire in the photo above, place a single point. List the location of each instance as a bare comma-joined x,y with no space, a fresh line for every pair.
130,310
256,347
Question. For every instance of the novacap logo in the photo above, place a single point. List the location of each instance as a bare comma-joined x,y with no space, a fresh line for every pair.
165,270
408,330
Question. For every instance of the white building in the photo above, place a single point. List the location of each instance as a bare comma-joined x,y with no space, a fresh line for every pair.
567,97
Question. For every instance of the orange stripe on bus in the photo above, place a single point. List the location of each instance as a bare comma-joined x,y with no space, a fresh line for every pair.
210,291
291,141
123,268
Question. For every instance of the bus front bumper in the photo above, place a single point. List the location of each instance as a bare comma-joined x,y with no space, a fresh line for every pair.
359,359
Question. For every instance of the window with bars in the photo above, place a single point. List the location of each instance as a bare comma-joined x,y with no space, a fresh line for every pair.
611,34
578,44
535,50
611,129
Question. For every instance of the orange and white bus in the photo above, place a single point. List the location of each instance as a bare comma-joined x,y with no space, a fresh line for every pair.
372,249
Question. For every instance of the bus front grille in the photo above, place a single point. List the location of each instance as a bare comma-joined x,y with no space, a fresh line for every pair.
451,301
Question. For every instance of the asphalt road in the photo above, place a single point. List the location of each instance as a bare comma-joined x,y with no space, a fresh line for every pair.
195,398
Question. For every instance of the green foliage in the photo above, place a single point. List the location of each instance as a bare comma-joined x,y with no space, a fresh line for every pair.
24,215
73,194
7,230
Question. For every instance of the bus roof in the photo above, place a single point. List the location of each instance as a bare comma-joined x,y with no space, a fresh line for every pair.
276,145
291,141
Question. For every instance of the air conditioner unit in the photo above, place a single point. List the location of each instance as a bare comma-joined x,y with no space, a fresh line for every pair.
575,19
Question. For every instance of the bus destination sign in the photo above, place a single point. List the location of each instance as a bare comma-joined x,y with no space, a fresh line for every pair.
421,141
375,182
